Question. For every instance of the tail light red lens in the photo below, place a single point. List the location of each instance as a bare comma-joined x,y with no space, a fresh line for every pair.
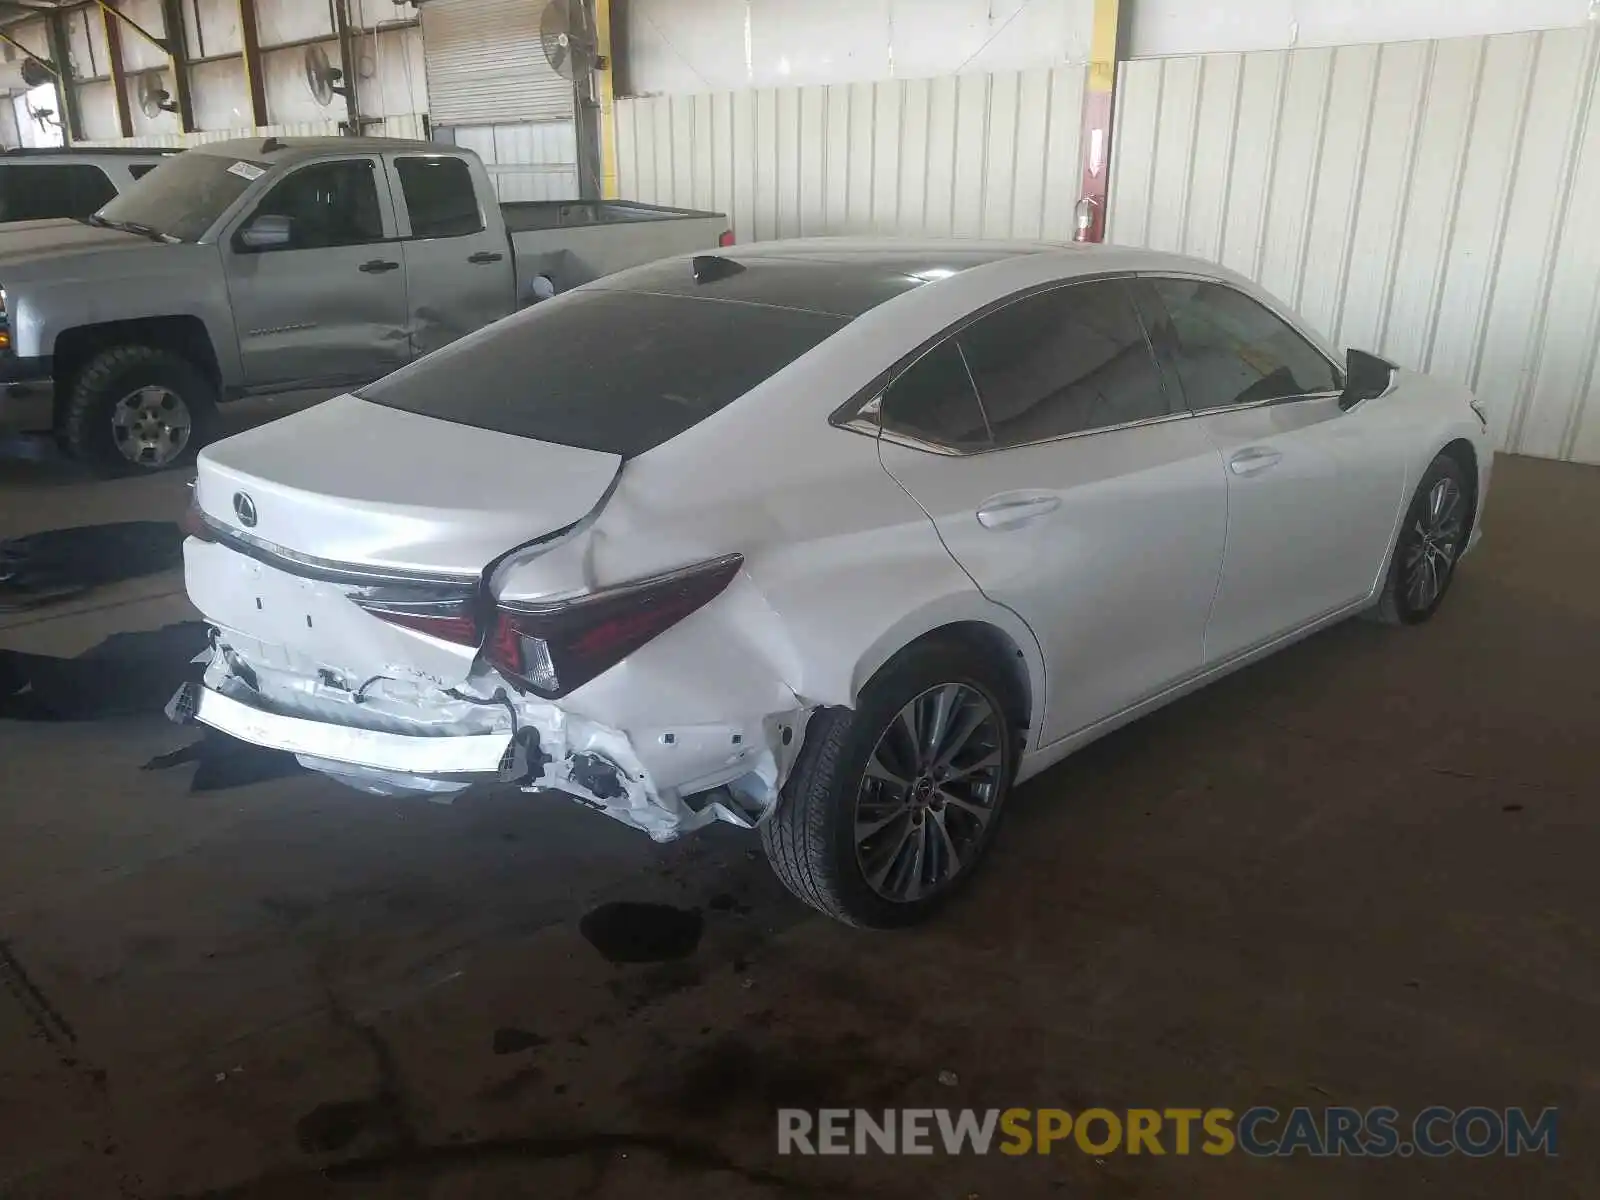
553,649
726,239
448,620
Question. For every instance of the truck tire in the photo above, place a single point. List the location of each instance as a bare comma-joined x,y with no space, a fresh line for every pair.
136,410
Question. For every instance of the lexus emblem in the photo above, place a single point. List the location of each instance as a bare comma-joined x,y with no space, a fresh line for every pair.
245,509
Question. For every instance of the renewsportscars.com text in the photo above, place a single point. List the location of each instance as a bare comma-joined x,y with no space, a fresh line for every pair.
1261,1132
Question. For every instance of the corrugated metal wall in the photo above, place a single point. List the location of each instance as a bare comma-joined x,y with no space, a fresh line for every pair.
529,160
1438,202
980,155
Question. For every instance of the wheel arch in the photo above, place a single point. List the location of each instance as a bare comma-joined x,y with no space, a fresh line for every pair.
1465,455
184,335
994,629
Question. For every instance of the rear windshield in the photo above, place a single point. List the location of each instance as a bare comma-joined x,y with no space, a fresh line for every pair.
619,372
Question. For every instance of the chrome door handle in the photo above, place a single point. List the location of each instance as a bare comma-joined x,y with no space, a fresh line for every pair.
1012,511
1253,461
375,265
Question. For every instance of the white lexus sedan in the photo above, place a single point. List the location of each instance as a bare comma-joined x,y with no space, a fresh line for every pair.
835,539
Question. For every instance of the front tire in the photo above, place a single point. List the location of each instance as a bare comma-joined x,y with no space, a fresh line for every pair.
1431,540
892,806
135,410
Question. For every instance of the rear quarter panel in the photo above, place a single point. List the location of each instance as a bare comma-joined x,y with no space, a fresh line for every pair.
842,567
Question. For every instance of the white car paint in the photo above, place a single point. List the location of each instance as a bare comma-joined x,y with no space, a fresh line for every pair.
1115,570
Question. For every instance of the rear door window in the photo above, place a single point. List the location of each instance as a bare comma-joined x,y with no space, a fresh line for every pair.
440,197
1070,360
47,190
933,401
619,372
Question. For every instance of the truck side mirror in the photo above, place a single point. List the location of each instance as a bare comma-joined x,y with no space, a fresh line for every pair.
269,231
1366,377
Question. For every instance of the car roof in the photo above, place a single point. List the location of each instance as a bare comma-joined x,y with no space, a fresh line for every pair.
846,277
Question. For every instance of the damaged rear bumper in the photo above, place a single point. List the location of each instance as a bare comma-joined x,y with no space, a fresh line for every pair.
377,749
441,747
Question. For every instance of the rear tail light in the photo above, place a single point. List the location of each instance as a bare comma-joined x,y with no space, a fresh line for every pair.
556,648
726,239
450,620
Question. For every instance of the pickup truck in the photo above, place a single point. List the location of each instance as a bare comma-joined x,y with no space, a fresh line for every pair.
42,184
265,267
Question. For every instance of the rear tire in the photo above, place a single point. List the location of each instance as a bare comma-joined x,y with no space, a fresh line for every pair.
136,410
925,842
1437,524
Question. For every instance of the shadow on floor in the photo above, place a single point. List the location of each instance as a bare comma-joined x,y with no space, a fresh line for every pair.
43,568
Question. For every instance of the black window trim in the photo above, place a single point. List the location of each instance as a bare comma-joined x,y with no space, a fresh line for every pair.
397,197
851,415
1274,310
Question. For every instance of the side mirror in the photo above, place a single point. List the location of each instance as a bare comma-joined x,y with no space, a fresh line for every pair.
269,231
1366,376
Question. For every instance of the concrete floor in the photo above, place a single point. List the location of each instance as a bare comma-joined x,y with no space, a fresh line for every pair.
1361,873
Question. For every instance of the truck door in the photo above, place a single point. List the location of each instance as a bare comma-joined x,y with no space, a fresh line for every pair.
316,281
459,273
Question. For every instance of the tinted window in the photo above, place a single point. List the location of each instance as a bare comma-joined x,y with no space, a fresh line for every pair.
328,204
614,371
1065,361
184,195
440,197
140,170
47,190
933,401
1227,349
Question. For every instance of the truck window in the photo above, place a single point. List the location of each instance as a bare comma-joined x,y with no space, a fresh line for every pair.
46,190
328,204
440,196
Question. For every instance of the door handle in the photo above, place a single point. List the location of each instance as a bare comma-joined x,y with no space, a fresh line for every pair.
1253,461
376,266
485,256
1008,512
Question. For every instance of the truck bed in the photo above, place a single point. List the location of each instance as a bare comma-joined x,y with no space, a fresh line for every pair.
572,242
522,216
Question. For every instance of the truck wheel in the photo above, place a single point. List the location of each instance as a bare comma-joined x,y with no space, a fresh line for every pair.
134,410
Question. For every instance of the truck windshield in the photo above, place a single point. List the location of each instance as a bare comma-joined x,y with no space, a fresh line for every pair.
184,196
619,372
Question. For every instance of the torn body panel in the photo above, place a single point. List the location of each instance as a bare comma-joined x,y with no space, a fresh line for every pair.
393,711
